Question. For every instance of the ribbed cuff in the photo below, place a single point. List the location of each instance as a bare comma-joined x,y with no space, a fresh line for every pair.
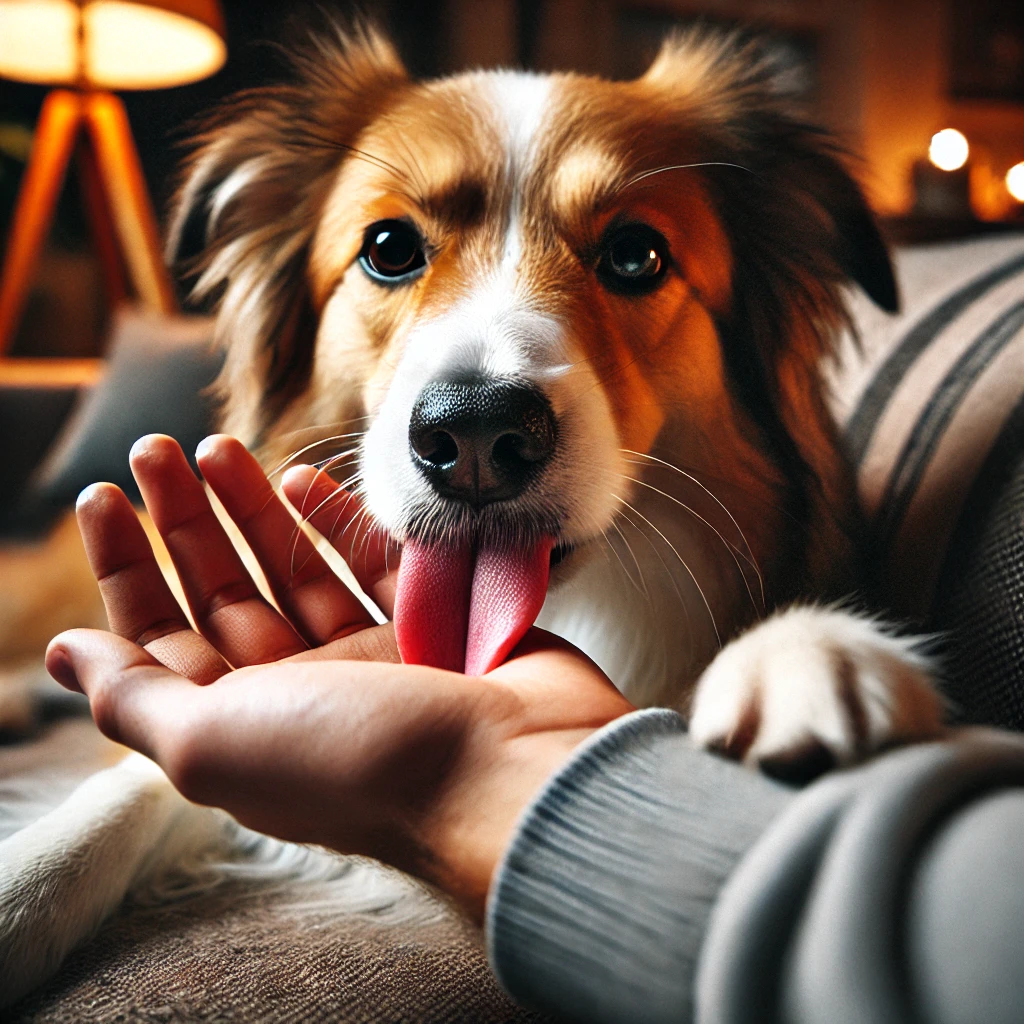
599,907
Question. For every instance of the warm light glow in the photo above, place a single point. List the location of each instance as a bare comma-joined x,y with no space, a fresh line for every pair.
132,46
949,150
1015,182
127,45
38,41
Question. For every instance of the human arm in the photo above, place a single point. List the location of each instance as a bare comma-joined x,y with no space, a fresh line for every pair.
651,881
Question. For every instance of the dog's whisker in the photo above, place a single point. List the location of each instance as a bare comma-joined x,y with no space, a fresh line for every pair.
668,572
304,138
672,548
609,546
680,167
413,166
368,533
356,521
307,517
334,461
349,498
642,587
286,462
714,497
360,534
733,551
317,427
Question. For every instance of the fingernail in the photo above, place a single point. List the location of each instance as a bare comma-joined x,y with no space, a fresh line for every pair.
58,664
203,448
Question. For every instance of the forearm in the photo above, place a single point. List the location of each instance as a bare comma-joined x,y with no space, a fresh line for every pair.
599,908
653,881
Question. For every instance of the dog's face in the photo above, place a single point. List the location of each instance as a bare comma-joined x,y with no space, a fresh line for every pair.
513,304
514,286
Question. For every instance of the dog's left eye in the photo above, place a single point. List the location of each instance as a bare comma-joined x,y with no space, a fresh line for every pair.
392,250
633,259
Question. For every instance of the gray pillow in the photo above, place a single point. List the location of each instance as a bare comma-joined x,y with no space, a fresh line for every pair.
159,369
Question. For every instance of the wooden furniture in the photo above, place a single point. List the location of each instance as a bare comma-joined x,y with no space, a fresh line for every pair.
120,213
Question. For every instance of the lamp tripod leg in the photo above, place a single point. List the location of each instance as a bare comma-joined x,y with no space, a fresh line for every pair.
101,223
128,199
52,144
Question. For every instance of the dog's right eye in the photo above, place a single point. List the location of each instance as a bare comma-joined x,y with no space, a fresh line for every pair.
392,251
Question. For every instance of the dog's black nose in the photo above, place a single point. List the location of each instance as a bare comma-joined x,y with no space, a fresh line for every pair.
481,440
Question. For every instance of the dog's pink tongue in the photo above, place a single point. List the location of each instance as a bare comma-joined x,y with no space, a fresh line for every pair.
462,613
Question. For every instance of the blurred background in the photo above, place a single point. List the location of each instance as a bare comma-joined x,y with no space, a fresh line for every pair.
886,75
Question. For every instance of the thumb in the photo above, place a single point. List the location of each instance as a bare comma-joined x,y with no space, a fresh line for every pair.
131,695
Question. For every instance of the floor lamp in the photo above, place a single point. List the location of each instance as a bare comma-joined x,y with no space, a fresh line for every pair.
90,47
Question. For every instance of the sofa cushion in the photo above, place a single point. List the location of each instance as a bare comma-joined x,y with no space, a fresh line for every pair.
932,404
158,370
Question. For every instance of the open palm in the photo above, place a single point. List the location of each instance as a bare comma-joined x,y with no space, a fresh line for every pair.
298,719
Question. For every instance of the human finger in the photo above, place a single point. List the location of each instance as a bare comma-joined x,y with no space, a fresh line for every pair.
305,587
134,699
226,605
341,518
139,604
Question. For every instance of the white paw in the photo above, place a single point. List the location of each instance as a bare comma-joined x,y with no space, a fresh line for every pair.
811,688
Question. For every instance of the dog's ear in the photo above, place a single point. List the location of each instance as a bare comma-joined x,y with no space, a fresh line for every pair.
251,200
860,250
777,175
798,226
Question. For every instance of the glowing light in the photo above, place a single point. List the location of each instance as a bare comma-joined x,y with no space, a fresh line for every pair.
38,41
948,150
125,45
1015,181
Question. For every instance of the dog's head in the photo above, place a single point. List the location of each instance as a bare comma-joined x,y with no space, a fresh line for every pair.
510,286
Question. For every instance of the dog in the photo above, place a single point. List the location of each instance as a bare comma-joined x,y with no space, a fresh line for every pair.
563,337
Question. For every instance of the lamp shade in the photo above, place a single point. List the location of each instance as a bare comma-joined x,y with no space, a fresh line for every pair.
111,44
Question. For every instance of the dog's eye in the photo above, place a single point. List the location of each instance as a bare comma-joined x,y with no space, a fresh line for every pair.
633,259
392,250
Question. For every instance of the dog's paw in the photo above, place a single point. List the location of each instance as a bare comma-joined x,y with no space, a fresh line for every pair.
812,688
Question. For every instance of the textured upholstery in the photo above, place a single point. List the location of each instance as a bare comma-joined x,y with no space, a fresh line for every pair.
238,955
257,953
979,605
932,403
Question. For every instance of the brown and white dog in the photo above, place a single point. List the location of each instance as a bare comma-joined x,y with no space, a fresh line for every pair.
559,329
573,323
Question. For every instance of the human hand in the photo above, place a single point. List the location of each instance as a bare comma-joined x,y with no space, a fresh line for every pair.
301,723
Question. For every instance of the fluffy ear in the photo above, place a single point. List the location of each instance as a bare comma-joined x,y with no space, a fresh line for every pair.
799,229
860,250
255,186
788,180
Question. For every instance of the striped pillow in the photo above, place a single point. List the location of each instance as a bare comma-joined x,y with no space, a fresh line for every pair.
932,410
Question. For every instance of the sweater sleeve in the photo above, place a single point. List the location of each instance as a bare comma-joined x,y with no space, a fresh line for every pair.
599,908
650,881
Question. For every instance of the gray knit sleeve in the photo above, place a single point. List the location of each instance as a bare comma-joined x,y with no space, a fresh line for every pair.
891,893
653,882
599,908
